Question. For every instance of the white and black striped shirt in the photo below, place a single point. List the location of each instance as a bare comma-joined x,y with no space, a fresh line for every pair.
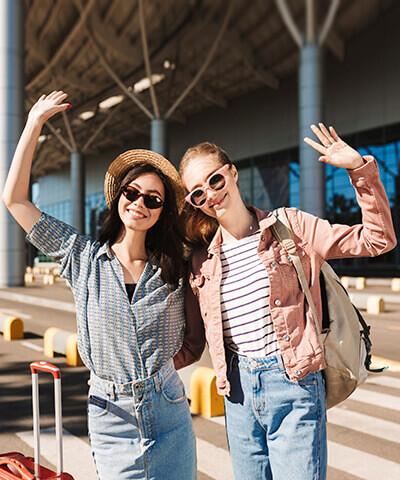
245,292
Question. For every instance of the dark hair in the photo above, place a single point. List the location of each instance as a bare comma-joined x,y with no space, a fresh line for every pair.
199,227
164,239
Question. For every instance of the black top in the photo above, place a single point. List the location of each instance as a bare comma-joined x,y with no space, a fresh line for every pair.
130,288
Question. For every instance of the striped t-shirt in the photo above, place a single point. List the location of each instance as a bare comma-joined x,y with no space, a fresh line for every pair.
245,292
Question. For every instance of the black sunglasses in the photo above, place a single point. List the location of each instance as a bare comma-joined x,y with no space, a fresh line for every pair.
150,201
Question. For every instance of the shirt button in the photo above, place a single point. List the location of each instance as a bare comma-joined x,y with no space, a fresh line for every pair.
286,338
277,302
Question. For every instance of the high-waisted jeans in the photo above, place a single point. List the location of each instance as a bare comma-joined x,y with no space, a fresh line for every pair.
276,427
143,429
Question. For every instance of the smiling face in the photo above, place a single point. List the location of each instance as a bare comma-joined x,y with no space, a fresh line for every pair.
198,170
134,214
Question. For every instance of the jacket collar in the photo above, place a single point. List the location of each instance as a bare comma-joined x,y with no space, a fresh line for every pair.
265,220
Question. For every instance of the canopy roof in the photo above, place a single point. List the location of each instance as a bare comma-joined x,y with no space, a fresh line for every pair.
199,53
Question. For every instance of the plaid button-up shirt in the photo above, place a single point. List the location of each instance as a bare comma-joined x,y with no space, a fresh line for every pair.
118,340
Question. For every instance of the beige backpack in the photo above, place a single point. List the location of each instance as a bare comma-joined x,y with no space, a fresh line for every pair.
344,334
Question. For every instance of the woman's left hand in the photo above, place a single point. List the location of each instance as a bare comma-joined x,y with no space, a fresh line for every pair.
334,150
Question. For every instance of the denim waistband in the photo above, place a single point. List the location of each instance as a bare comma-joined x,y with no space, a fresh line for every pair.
131,388
255,363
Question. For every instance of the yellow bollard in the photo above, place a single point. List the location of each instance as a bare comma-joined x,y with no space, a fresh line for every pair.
395,285
361,283
203,393
375,305
72,354
345,282
13,329
48,341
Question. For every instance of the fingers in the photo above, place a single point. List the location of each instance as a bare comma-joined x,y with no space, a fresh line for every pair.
321,135
316,146
334,134
326,133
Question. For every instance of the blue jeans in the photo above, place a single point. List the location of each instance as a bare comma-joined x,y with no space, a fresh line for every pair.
143,429
276,427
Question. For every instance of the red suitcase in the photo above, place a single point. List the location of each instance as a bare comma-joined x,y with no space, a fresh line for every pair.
16,466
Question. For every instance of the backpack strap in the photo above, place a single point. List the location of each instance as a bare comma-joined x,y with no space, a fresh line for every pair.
283,233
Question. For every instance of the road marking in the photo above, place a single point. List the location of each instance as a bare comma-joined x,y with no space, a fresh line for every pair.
77,454
384,381
377,399
365,424
360,464
16,313
213,461
38,301
32,346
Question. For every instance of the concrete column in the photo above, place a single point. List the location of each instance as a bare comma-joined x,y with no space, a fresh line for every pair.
159,140
312,172
78,191
12,245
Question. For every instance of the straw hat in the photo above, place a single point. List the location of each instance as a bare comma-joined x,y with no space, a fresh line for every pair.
129,159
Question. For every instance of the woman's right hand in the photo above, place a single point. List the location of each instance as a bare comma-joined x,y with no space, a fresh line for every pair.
47,106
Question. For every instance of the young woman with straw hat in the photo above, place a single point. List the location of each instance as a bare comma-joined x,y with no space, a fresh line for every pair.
131,303
263,344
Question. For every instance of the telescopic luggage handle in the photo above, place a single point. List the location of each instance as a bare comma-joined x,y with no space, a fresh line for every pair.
46,367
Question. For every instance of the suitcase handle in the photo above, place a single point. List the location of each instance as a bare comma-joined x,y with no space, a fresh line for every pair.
24,473
46,367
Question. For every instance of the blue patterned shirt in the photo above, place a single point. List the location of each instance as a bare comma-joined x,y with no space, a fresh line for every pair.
119,340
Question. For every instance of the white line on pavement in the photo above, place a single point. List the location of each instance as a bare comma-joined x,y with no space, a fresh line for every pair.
384,381
361,464
213,461
376,399
16,313
38,301
77,454
32,346
365,424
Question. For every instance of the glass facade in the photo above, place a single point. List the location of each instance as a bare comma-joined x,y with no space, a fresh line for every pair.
341,206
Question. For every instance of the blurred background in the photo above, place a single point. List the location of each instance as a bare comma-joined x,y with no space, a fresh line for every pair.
166,74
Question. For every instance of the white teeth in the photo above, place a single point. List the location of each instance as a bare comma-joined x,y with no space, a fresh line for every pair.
136,215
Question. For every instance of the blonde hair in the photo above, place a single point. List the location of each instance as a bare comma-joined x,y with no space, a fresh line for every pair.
199,227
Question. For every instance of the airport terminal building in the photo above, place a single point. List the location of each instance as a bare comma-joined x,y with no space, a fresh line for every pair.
250,77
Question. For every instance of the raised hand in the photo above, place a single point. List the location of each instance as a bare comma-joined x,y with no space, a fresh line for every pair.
48,105
333,149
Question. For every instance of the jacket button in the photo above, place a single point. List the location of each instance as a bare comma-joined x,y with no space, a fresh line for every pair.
277,302
286,338
297,373
262,238
273,264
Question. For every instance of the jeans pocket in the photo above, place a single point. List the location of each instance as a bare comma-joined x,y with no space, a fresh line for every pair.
173,389
97,406
310,380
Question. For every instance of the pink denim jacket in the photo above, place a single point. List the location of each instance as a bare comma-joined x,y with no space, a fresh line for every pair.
316,240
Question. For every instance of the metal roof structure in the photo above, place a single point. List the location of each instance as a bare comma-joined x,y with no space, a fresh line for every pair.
198,53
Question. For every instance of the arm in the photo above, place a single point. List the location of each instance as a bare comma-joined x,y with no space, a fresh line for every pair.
376,233
194,338
16,190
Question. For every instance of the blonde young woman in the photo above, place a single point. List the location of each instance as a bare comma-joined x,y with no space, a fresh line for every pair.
131,303
263,346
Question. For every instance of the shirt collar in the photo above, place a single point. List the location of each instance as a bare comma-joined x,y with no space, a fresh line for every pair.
265,220
105,249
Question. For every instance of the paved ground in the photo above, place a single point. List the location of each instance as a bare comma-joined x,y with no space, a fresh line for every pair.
364,432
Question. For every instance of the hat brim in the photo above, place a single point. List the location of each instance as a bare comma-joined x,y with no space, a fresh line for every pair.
131,158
